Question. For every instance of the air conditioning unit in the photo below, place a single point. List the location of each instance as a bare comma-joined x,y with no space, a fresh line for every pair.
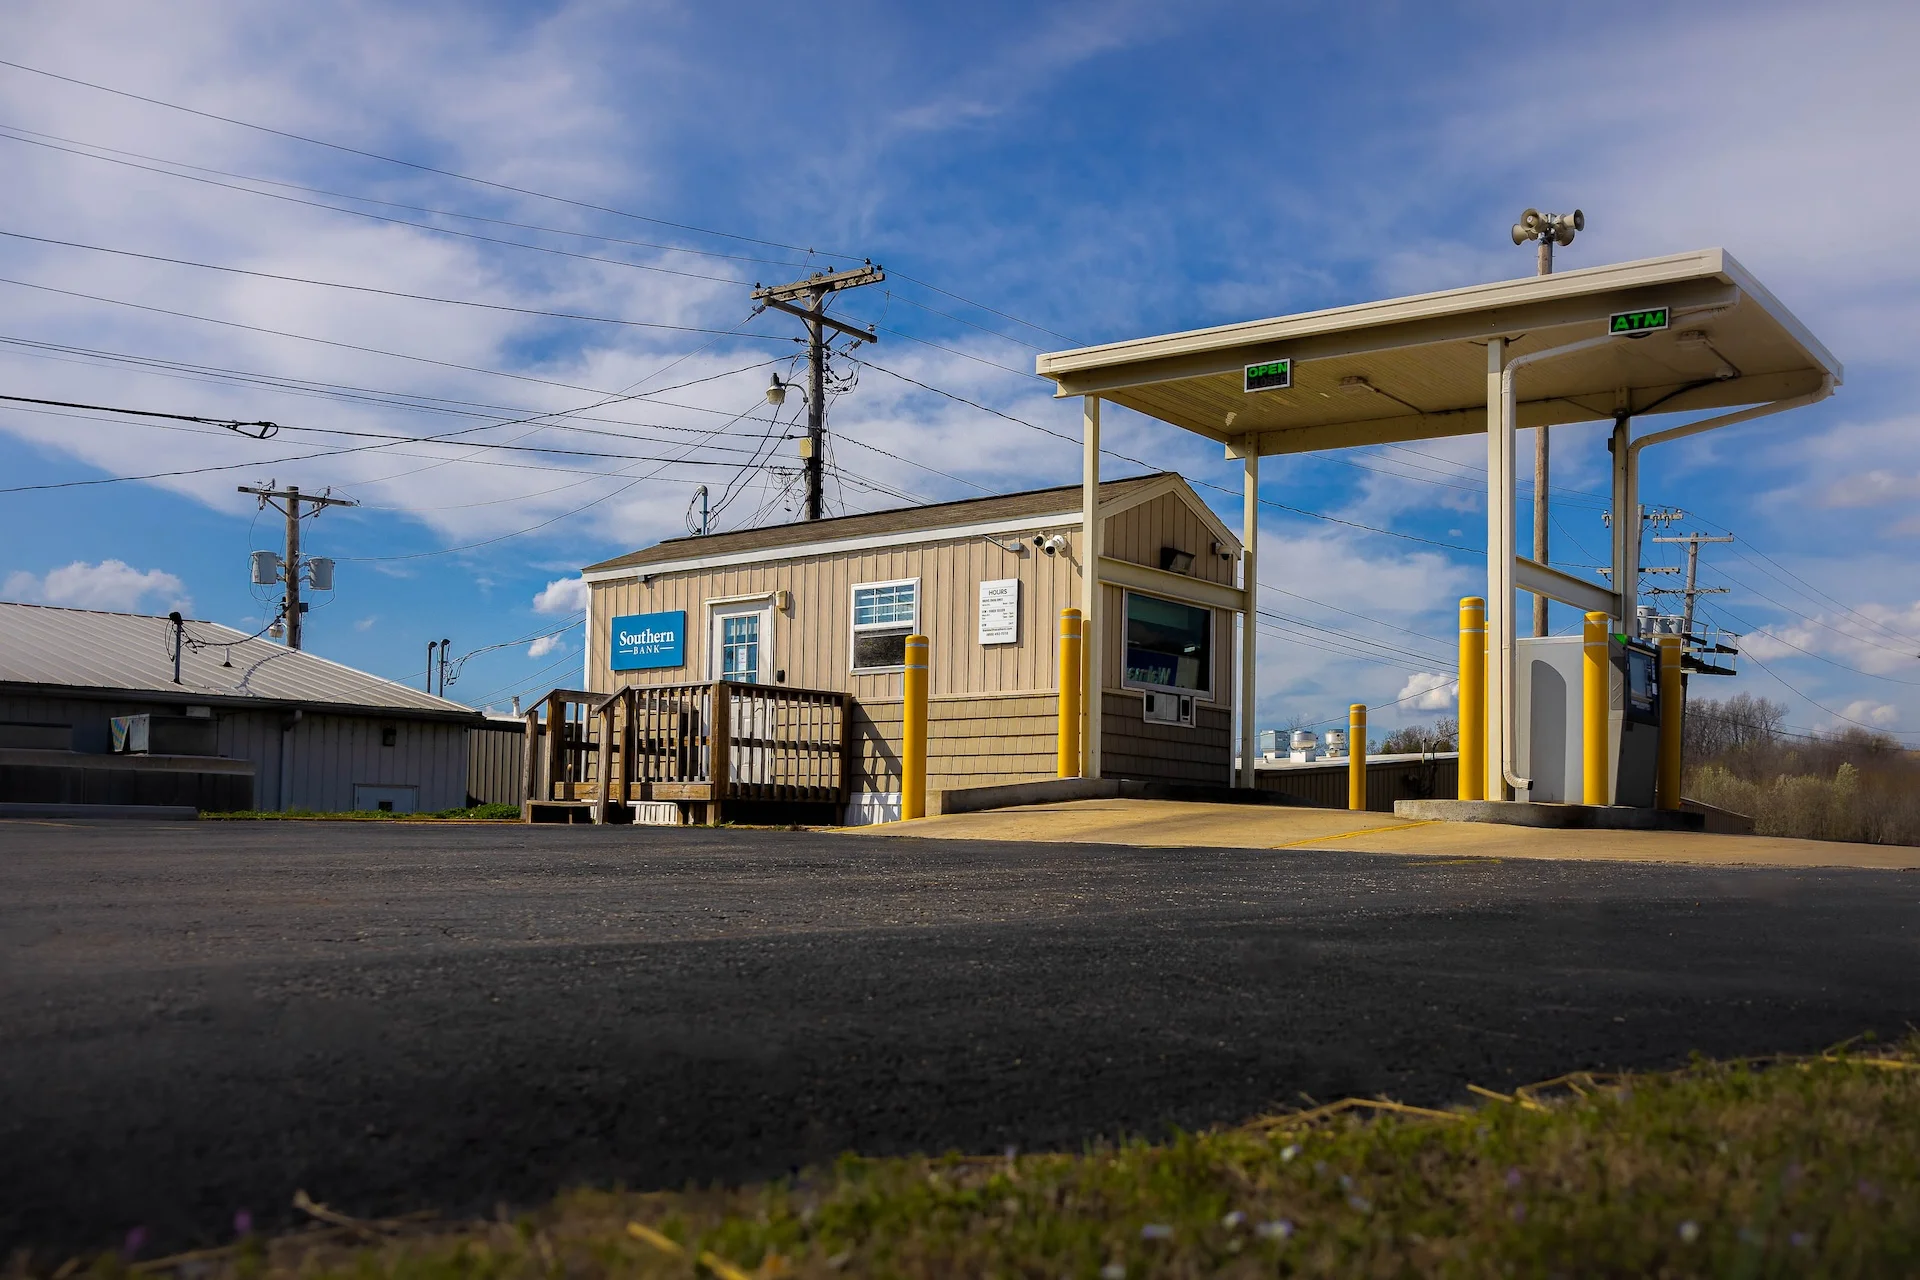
1169,708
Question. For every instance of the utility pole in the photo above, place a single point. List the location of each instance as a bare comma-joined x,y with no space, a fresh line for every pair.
292,567
1690,591
1547,228
814,289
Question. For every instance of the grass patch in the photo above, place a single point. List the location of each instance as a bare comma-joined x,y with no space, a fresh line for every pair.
1801,1166
483,812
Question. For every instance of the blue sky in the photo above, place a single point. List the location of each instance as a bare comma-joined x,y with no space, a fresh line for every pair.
1098,171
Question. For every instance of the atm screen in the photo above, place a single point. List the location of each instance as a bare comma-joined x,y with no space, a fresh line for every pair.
1642,691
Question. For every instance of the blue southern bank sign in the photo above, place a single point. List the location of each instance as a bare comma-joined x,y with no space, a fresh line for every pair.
643,641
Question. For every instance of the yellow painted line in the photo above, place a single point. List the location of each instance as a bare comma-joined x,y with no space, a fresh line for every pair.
1345,835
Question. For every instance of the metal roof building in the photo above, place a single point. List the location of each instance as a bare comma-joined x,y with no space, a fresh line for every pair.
319,735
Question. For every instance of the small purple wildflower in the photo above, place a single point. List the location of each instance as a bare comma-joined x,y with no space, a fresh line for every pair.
1513,1179
242,1222
1156,1231
136,1238
1800,1240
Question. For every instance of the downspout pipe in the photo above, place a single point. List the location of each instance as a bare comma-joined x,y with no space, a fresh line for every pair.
1730,419
1509,415
1509,404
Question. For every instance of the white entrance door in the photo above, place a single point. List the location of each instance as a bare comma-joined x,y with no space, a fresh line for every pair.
741,643
741,648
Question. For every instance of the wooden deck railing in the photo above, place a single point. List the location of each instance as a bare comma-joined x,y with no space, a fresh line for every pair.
703,744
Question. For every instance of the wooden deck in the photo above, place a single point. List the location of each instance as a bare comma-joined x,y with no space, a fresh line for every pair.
702,747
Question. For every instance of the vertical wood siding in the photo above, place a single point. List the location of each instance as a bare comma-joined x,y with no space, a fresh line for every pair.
993,707
1132,748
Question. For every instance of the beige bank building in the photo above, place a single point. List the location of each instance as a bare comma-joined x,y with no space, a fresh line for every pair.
827,605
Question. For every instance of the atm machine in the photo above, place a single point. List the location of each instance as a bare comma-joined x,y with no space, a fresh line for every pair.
1550,747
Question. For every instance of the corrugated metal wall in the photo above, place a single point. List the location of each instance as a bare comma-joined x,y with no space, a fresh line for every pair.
496,755
330,754
314,766
1387,781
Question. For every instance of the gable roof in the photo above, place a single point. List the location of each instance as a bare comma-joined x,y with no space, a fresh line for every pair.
805,535
47,646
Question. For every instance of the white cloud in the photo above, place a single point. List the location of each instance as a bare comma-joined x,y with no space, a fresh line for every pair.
544,645
111,585
1871,489
562,595
365,624
1867,711
1429,692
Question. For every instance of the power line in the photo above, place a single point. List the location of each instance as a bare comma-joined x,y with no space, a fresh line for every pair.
984,307
454,668
528,682
1823,706
267,429
299,337
71,484
500,186
34,138
1751,628
384,397
1060,435
392,293
411,164
51,142
518,533
406,222
1858,639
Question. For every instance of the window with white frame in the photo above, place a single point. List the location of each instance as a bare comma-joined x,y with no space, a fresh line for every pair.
1169,645
884,615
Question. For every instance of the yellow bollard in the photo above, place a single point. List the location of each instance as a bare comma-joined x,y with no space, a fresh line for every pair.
1473,698
1596,699
1666,783
1356,756
1068,762
913,731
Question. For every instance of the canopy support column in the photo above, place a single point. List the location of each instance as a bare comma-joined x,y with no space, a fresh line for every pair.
1500,589
1250,584
1626,520
1094,627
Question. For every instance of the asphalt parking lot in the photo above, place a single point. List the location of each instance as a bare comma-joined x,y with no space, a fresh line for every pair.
197,1018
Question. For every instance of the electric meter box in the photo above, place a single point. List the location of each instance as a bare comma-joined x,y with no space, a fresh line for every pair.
1552,745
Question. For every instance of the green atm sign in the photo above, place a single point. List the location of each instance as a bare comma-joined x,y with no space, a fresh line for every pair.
1271,375
1633,322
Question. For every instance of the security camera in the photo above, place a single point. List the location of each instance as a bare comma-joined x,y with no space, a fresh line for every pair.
1052,544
